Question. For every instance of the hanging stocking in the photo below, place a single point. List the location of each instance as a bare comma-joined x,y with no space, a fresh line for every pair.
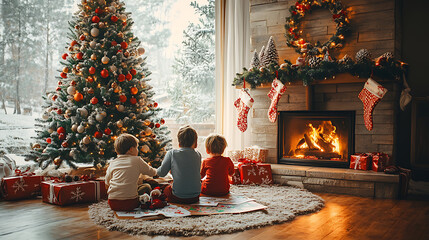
370,95
275,94
243,105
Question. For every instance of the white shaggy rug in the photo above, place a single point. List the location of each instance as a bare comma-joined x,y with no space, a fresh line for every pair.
283,202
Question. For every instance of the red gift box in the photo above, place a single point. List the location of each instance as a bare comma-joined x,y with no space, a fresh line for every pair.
21,187
235,178
66,193
255,173
361,162
380,161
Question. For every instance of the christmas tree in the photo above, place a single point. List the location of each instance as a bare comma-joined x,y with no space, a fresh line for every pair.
270,55
261,55
102,92
255,60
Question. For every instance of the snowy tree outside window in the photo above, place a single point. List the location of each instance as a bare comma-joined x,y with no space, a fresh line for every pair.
178,36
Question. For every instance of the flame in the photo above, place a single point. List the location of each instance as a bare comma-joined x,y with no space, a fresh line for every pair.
324,134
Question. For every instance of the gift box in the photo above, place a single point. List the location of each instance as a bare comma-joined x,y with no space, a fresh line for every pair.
21,187
360,161
255,173
235,178
256,153
379,161
66,193
235,155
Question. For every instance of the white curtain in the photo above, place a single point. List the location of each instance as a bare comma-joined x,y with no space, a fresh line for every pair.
232,54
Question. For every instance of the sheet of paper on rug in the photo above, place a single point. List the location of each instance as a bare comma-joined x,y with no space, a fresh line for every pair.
214,201
168,211
224,208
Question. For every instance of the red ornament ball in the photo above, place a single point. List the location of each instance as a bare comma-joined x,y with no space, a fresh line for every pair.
64,56
124,45
65,144
63,75
114,43
54,97
78,96
91,70
58,89
98,134
98,11
124,23
74,42
61,130
107,131
129,77
122,98
133,100
60,83
134,90
162,121
95,19
151,125
133,72
155,104
94,100
82,37
73,83
79,55
114,18
121,77
90,79
48,140
157,125
59,111
61,136
104,73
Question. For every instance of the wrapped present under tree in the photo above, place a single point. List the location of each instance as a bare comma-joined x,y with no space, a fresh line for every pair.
252,172
22,186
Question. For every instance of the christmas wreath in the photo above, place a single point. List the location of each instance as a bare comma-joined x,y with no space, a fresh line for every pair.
303,7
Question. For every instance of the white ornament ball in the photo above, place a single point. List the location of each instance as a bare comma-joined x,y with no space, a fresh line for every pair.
74,127
92,44
95,32
80,129
71,90
83,112
141,51
120,108
148,131
123,17
145,148
105,60
119,123
86,140
73,153
99,117
112,9
45,116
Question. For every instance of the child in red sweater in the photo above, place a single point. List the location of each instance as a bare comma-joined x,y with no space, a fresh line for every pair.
216,169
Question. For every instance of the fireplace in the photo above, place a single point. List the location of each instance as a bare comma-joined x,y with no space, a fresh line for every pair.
316,138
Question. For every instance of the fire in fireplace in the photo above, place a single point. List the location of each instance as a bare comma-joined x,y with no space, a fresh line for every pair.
318,138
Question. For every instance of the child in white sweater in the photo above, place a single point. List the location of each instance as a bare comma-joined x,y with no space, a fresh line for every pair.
123,173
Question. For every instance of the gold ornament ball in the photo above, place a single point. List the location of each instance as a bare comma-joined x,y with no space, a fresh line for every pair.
95,32
141,51
93,57
105,60
86,140
119,123
262,69
101,152
36,145
74,127
57,161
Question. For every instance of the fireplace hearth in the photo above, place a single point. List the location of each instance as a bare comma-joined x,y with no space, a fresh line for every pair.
316,138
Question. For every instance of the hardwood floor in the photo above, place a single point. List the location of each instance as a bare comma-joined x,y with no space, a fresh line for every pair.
343,217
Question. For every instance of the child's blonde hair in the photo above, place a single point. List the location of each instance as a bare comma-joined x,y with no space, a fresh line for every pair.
187,136
215,144
125,142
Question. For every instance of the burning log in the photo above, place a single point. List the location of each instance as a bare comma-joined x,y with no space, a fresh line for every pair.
317,153
325,145
309,142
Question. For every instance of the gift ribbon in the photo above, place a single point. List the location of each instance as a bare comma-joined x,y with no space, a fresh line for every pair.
97,190
26,173
357,161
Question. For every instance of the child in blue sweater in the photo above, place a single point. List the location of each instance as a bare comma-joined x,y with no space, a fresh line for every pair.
184,164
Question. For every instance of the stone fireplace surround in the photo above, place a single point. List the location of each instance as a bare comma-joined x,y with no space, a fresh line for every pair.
339,94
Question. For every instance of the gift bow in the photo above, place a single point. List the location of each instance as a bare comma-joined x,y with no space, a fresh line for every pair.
246,161
26,173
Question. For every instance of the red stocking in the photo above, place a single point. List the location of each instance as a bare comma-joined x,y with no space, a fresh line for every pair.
275,94
243,104
370,95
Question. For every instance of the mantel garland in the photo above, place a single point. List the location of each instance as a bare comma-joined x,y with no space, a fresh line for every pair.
382,67
303,7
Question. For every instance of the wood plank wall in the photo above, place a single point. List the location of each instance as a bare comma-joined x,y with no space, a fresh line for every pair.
375,26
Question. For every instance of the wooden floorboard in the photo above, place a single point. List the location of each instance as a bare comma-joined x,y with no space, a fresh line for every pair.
343,217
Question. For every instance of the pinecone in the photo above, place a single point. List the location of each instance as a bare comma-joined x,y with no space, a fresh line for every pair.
270,55
363,56
255,63
388,55
314,61
346,60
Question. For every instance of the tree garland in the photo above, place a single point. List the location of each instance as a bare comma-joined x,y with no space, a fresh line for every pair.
298,12
383,67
